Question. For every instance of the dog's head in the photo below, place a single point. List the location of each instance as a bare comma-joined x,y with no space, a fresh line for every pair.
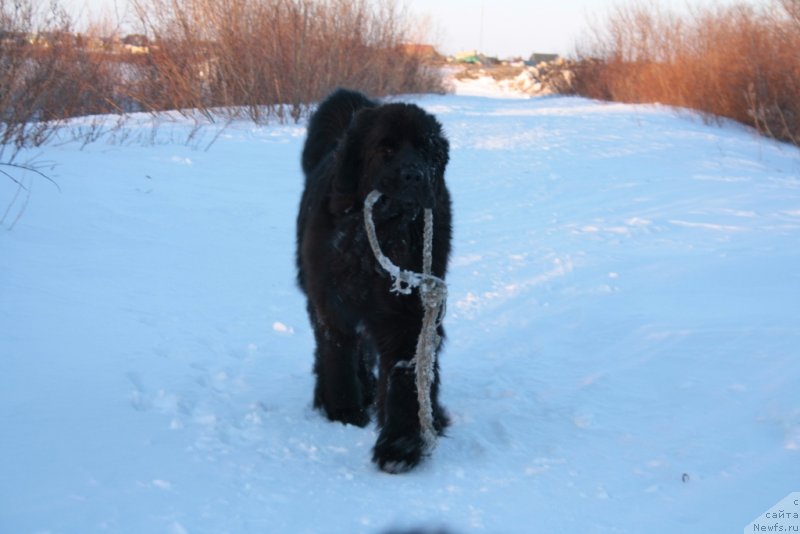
398,149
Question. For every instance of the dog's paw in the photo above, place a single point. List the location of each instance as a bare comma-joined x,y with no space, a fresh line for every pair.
350,416
397,454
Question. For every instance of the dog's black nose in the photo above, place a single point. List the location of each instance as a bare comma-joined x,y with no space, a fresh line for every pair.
412,175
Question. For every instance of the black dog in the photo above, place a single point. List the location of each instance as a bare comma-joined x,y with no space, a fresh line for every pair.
355,145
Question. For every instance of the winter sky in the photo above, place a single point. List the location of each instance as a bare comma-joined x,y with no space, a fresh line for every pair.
509,28
503,28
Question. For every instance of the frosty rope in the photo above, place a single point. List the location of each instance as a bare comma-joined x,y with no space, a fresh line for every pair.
433,294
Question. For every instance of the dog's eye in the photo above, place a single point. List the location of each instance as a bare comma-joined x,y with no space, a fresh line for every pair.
387,151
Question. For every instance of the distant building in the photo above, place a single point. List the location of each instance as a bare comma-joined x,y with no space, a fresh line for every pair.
537,58
467,56
423,51
474,57
136,39
15,38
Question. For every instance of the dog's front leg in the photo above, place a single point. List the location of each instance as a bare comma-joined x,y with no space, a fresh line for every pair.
339,391
400,445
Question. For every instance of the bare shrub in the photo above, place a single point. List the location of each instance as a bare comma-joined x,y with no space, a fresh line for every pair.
19,68
273,58
46,75
258,58
733,61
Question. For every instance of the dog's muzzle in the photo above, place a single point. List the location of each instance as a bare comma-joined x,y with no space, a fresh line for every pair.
417,186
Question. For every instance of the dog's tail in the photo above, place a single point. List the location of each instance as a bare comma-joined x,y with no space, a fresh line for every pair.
328,124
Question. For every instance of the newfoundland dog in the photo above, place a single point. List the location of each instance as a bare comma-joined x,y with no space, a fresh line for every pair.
355,145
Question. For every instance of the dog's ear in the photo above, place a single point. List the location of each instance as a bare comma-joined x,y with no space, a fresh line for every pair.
348,170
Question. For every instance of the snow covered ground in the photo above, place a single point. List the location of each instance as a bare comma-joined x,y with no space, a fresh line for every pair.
624,333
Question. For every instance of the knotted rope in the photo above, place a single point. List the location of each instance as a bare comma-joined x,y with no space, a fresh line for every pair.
433,294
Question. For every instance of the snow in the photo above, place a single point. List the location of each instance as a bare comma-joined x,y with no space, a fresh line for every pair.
622,323
485,86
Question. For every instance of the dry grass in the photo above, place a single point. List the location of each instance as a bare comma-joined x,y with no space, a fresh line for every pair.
737,61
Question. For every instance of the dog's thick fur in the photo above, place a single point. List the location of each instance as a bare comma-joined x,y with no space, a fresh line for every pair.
355,145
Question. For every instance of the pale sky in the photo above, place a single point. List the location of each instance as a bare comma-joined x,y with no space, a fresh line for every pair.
503,28
509,28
